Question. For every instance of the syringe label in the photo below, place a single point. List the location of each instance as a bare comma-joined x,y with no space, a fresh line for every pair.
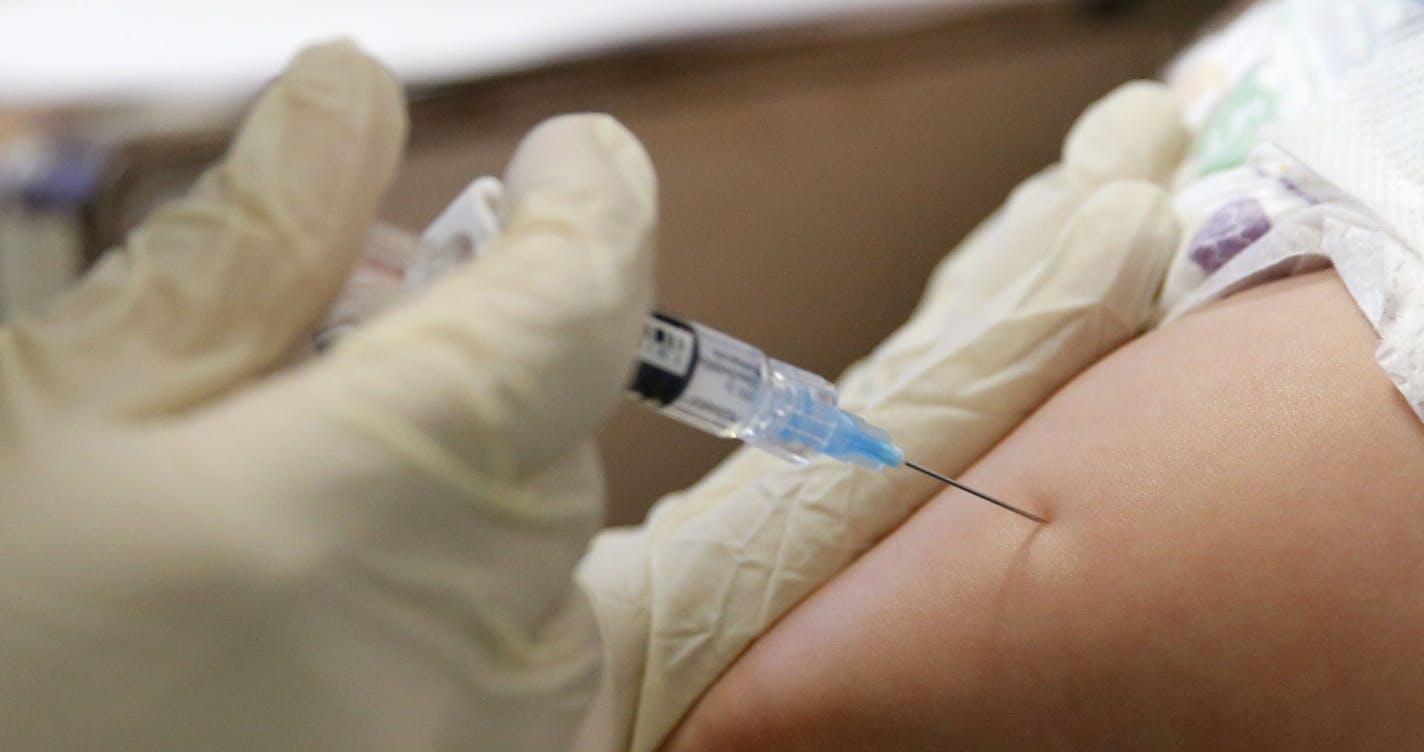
667,346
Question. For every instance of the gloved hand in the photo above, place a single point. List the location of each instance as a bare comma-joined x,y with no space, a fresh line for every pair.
370,551
1062,274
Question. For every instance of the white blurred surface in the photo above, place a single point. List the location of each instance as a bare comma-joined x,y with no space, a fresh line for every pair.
108,51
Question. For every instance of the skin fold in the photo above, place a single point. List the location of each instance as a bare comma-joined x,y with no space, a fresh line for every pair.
1234,560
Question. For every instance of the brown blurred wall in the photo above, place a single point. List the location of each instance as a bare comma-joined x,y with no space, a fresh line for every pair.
808,184
810,180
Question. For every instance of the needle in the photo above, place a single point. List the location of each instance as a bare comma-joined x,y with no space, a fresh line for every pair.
980,494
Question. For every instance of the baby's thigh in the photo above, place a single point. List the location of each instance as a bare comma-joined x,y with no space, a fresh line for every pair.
1235,559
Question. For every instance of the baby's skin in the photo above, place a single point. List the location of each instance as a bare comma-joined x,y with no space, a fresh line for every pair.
1234,560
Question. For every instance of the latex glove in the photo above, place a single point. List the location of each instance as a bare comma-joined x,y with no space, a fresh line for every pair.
372,551
1063,273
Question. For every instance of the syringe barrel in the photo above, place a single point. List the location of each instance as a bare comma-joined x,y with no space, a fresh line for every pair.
700,376
719,384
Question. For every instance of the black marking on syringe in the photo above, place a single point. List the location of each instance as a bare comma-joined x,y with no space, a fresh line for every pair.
654,384
980,494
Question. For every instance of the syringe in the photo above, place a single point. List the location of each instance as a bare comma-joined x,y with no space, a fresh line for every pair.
694,373
708,380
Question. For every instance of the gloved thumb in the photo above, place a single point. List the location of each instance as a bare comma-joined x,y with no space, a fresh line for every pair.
1134,134
507,362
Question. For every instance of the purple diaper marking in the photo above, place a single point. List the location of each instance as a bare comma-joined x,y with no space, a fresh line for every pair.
1232,228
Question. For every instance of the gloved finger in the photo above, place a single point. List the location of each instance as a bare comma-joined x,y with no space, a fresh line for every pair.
506,362
1134,133
723,560
1092,291
220,284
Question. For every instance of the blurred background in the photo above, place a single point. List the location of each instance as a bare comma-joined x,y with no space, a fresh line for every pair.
816,157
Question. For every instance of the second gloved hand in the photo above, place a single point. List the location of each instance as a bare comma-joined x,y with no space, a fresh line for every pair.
1064,273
